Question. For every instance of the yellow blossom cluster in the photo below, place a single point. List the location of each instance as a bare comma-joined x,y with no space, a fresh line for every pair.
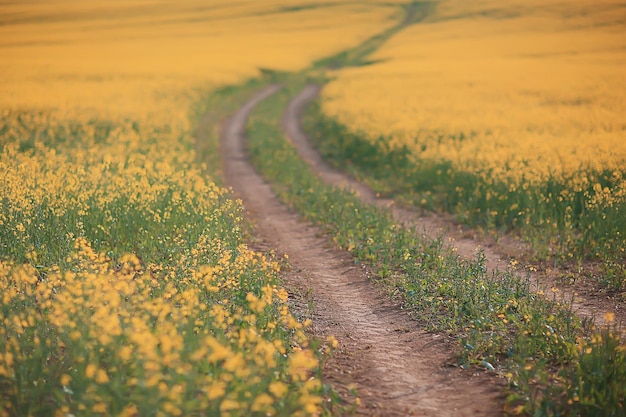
126,288
116,338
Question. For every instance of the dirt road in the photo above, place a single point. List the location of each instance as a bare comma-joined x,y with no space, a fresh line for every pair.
397,368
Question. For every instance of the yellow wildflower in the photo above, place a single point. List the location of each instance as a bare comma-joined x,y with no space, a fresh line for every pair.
100,408
90,370
65,380
216,390
101,377
262,403
300,364
278,389
229,405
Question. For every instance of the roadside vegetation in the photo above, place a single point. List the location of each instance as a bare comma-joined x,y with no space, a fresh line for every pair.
127,285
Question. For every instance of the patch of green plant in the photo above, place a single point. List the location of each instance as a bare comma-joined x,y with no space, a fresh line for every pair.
358,56
498,321
121,205
614,276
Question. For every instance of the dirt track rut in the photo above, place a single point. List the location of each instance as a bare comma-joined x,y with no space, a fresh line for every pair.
591,307
397,368
291,126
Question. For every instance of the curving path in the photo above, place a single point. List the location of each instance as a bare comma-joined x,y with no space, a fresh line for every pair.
397,368
590,307
433,229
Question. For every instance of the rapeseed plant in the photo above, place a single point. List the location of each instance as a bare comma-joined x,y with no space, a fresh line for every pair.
103,337
503,102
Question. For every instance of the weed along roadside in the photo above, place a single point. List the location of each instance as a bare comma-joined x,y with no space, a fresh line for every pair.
546,353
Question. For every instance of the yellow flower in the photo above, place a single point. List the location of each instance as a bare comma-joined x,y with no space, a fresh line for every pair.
171,409
609,317
100,408
129,411
90,370
278,389
60,412
65,380
262,402
282,295
236,364
101,377
228,405
311,403
219,352
125,353
300,364
215,390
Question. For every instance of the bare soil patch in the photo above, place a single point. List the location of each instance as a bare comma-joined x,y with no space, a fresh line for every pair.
587,302
397,368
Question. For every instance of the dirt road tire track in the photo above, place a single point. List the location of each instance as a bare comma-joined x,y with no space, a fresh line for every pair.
397,368
496,256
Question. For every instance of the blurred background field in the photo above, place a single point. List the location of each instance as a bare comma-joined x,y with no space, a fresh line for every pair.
512,113
523,88
132,57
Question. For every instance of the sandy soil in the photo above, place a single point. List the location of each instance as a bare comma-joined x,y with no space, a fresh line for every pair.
397,368
587,301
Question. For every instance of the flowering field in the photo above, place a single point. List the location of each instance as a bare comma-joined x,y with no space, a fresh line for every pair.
127,289
511,112
126,285
134,58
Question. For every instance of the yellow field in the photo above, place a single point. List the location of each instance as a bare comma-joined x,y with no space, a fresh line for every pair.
126,282
126,285
136,57
507,89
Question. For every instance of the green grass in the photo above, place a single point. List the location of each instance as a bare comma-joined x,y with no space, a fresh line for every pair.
413,13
